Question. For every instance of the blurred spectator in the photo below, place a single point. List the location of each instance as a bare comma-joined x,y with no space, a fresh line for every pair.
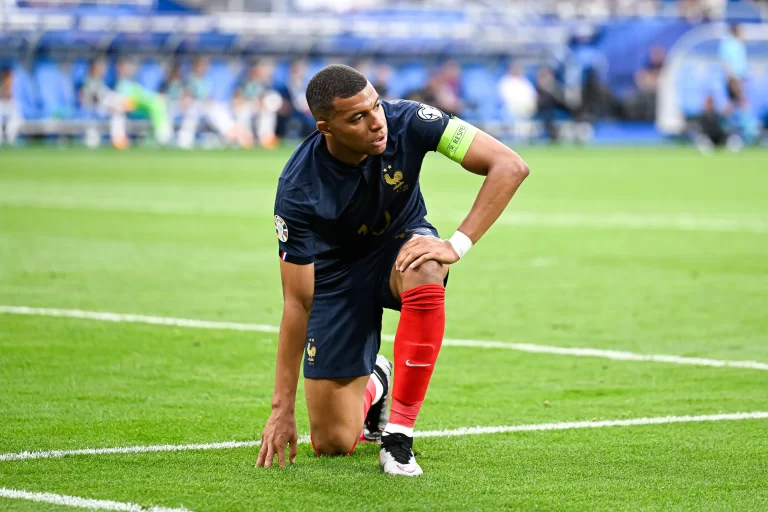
518,94
256,102
647,78
449,97
642,105
174,92
98,101
173,89
710,129
381,77
10,114
550,100
443,90
733,53
731,129
136,98
93,93
378,74
203,106
295,107
593,96
428,93
598,101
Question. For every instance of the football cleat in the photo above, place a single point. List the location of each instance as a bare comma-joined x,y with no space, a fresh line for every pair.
378,414
396,455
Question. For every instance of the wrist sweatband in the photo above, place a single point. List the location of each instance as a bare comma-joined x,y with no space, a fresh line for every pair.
461,243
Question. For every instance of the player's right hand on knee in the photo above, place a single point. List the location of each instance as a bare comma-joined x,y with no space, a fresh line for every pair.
279,432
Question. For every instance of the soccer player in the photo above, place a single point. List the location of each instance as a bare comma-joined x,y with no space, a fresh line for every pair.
353,239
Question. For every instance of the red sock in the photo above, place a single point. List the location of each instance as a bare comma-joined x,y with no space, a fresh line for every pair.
370,395
417,344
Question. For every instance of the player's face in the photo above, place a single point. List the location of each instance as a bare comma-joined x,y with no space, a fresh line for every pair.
359,123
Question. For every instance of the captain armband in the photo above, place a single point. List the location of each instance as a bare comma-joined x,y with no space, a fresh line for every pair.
456,139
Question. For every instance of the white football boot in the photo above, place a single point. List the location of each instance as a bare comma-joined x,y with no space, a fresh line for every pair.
396,456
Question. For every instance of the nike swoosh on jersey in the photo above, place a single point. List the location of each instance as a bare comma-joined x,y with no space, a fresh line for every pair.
416,365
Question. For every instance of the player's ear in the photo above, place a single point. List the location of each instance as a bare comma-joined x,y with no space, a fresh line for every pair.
324,127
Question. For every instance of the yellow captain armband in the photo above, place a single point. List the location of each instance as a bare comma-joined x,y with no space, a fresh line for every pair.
456,139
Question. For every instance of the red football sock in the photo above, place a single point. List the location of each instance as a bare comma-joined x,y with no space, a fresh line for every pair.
417,344
370,395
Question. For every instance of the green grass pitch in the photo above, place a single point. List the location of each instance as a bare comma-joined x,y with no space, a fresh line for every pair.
651,251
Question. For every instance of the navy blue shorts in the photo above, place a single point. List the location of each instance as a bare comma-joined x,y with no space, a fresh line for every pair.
344,332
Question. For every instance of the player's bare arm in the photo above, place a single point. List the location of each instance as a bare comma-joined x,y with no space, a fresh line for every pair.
504,172
280,431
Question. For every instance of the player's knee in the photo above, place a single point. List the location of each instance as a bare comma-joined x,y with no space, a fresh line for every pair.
334,443
430,272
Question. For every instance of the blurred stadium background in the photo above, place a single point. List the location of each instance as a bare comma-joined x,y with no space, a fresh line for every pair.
233,72
626,283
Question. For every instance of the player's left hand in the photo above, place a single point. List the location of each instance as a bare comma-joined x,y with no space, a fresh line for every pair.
420,249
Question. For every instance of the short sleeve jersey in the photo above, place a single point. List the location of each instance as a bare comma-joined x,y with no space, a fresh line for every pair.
329,212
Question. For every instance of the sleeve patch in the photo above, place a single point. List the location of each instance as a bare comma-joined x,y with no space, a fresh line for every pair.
429,114
281,228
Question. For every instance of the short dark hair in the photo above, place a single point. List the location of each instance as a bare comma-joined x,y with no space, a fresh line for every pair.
331,82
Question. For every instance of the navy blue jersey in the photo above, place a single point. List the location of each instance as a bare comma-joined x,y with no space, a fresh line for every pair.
331,213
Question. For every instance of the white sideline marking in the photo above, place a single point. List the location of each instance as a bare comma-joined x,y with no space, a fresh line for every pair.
137,319
74,501
758,415
464,431
677,222
616,355
54,454
608,220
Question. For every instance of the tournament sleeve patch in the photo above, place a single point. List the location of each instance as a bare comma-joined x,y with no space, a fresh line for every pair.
428,114
281,228
456,139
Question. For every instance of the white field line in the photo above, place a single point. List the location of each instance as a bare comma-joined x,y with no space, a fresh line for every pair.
137,319
597,220
54,454
616,220
485,344
464,431
74,501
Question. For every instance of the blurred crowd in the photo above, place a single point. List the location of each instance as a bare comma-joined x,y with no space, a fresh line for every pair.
262,111
259,112
735,124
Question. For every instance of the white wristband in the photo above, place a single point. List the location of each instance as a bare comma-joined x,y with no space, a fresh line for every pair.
461,243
